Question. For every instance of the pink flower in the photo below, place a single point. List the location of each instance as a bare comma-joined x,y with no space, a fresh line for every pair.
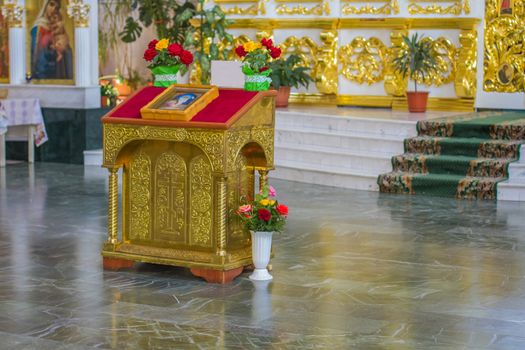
245,208
271,191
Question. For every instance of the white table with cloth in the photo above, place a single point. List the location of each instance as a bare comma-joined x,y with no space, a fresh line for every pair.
16,113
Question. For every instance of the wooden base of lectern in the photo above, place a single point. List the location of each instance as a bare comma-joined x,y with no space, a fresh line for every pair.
116,264
217,276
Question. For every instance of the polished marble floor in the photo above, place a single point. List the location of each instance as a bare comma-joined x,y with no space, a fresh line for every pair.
355,270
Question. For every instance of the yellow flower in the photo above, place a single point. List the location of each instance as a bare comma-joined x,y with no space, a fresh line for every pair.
272,202
264,202
162,44
250,46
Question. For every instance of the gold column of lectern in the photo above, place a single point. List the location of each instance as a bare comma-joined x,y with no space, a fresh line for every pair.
183,180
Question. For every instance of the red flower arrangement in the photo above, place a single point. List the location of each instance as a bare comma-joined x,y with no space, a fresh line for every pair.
257,55
163,53
264,213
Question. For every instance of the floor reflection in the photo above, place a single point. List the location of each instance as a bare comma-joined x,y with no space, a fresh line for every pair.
354,270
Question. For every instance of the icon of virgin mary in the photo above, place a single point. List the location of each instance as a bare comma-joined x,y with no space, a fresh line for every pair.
51,55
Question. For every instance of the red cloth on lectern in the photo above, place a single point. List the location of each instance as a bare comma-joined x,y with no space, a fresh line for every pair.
219,110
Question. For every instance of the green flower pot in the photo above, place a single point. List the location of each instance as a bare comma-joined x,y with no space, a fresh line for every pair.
256,81
165,75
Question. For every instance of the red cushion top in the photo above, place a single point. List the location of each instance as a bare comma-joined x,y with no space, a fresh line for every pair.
220,110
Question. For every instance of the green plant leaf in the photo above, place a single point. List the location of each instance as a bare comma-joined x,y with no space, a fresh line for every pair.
131,32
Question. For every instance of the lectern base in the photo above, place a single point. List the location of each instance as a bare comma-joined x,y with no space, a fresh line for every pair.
216,276
116,264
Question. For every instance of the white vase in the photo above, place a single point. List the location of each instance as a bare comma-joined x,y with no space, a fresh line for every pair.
261,249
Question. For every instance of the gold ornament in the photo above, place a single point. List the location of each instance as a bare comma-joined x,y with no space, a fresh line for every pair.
322,8
363,60
456,8
79,12
13,13
389,7
504,33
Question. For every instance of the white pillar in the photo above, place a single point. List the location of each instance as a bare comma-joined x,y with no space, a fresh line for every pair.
17,55
82,57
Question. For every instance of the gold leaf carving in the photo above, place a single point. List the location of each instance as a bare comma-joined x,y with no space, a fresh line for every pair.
389,7
504,49
446,57
140,196
201,202
457,7
323,8
363,60
116,136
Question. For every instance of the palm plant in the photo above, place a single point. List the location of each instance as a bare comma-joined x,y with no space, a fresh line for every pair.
415,57
289,72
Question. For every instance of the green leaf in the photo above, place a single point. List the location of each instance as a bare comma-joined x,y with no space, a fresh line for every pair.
131,32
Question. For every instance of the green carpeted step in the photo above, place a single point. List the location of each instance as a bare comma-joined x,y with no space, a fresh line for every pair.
470,147
496,125
439,185
446,164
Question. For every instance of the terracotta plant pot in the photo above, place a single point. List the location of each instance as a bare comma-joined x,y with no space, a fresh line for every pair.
104,101
417,101
283,94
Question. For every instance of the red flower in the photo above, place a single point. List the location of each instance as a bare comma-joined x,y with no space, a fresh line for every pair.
282,209
152,44
239,50
175,49
263,69
275,52
186,57
264,214
268,43
150,54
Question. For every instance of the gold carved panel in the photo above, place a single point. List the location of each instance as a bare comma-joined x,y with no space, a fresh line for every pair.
439,7
318,9
322,59
200,202
170,195
504,46
238,190
117,136
140,196
363,60
395,83
370,7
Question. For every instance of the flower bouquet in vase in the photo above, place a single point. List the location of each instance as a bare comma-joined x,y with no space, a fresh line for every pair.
256,57
166,59
263,216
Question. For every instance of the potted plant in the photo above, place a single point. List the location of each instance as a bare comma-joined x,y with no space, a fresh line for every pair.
263,216
256,57
285,74
108,95
166,59
416,58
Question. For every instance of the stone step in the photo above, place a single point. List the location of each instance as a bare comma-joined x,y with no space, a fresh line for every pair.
322,175
511,191
340,160
319,122
517,171
93,157
388,145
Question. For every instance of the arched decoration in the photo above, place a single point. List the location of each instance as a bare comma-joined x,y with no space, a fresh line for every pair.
170,194
200,201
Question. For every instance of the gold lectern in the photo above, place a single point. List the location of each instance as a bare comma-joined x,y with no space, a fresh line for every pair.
183,180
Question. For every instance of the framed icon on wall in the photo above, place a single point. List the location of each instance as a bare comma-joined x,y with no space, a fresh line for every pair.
50,42
180,102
